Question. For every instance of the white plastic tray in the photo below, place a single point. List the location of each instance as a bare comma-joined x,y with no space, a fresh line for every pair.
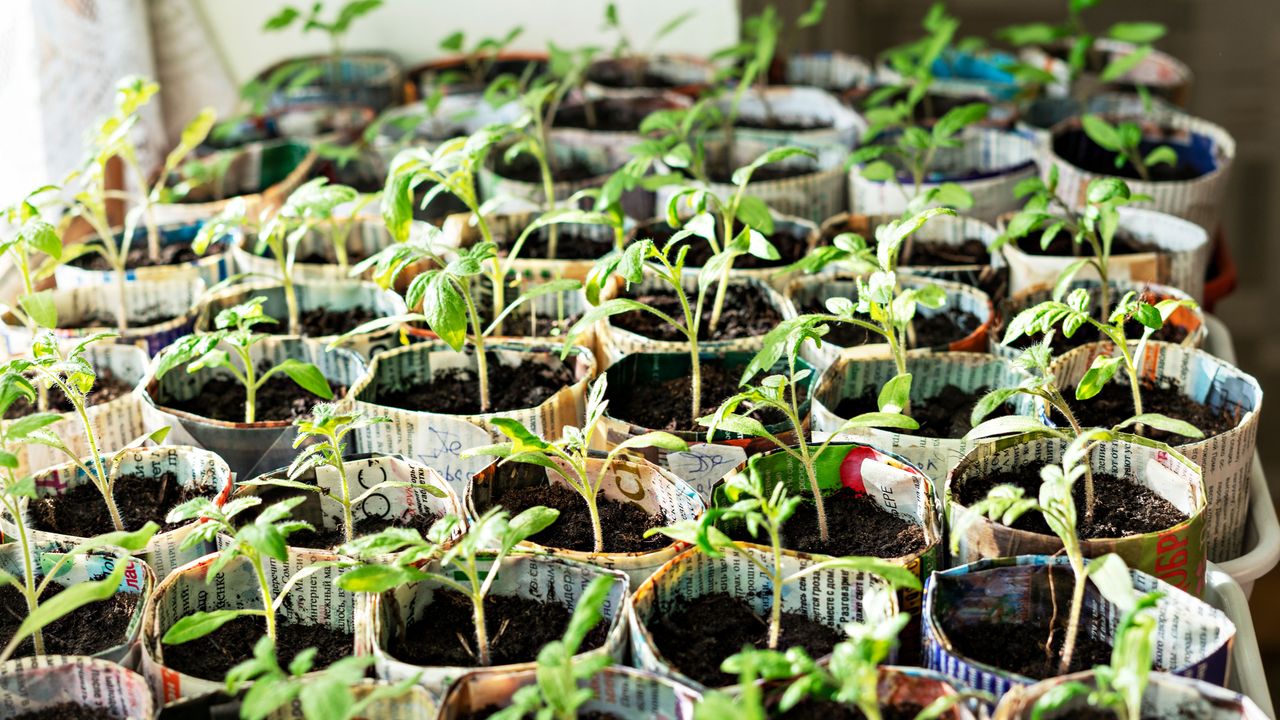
1247,673
1262,533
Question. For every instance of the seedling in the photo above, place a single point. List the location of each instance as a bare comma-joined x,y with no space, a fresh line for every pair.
1095,226
1075,313
209,171
624,47
28,233
556,695
323,433
234,331
256,96
482,56
324,695
569,456
761,510
1006,503
264,538
336,29
307,209
1118,687
675,137
1125,140
73,375
750,211
745,701
785,393
491,537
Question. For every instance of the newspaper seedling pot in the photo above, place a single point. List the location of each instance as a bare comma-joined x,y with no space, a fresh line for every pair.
815,191
692,574
1178,256
617,342
942,235
31,684
618,692
665,498
334,296
639,75
393,506
157,313
961,73
832,71
138,580
1186,322
1167,696
1163,75
195,471
422,80
1192,639
1041,114
594,163
262,174
544,579
989,164
364,78
1225,459
115,422
897,486
704,464
248,448
812,291
455,116
1175,554
213,267
438,440
851,377
414,704
314,600
572,128
1201,145
828,121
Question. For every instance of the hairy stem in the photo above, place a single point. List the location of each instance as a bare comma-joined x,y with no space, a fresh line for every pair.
1077,603
250,386
775,611
103,480
477,336
264,587
348,521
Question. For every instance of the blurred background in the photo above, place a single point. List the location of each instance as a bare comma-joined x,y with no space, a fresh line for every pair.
59,60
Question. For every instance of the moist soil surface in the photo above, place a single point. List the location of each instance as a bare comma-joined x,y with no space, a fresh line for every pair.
1077,148
211,656
1120,507
525,169
1115,405
719,171
702,632
627,75
323,322
783,124
81,511
456,391
1063,245
856,523
747,312
331,538
944,415
792,243
573,242
610,114
518,628
932,330
175,253
827,710
84,631
106,388
108,320
666,404
971,251
67,711
278,399
623,523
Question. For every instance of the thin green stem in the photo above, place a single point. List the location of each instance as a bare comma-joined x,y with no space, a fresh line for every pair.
264,587
477,337
250,382
348,521
17,512
1077,603
776,579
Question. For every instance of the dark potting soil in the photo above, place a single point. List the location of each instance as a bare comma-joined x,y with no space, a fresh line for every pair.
1086,334
774,122
932,330
1077,148
573,242
81,511
492,710
457,391
330,538
278,399
747,313
1115,405
969,252
791,242
170,254
106,388
518,628
623,523
946,414
702,632
67,711
525,169
666,405
1063,244
719,170
1121,507
84,631
856,523
627,74
609,114
324,322
1019,647
211,656
827,710
108,320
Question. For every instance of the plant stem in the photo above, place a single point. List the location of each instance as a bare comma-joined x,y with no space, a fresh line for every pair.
477,337
477,611
28,563
104,480
264,587
775,612
122,317
250,386
348,521
807,459
1077,602
596,531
